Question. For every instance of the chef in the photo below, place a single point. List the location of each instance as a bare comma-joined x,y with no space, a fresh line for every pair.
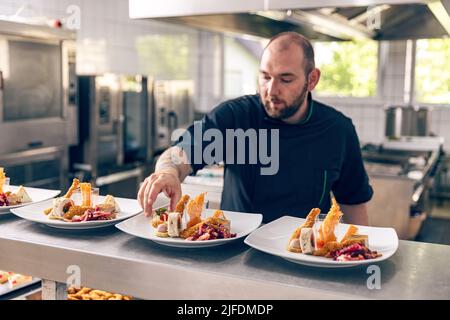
315,147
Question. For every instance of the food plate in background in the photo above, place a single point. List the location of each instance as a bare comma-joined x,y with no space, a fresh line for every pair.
6,289
241,223
36,194
273,238
128,207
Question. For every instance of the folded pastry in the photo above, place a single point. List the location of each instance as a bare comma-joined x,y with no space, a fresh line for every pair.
109,205
23,195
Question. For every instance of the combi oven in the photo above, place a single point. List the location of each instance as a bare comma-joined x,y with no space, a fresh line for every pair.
37,103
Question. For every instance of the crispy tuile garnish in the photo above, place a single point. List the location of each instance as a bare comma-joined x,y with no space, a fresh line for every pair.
219,215
73,187
2,179
182,204
194,209
193,222
326,231
351,231
86,190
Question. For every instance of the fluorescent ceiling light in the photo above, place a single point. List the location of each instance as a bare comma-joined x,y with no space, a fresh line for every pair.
369,13
331,25
441,14
272,14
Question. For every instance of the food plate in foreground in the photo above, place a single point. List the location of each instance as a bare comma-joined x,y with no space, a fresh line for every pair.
128,209
241,224
273,237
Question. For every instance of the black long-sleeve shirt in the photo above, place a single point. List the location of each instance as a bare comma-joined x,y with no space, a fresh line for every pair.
318,155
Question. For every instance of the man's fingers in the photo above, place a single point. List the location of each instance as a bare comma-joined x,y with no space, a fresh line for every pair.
153,177
141,193
155,184
175,196
153,192
147,211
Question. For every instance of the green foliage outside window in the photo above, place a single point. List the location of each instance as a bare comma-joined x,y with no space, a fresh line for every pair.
347,68
165,56
433,71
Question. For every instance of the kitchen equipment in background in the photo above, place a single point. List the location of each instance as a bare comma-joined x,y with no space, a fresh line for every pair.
40,167
37,102
402,173
173,109
407,121
441,189
114,131
137,92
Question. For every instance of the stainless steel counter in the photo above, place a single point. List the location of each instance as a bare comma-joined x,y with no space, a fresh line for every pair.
114,261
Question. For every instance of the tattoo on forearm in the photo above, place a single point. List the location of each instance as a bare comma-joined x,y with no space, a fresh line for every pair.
175,158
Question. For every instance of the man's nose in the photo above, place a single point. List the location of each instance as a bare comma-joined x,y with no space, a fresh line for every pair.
273,88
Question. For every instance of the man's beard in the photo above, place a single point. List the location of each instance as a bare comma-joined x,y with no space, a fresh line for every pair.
289,110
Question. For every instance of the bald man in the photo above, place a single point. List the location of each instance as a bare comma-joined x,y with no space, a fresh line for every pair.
315,147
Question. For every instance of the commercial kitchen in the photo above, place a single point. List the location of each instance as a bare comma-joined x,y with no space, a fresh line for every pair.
97,90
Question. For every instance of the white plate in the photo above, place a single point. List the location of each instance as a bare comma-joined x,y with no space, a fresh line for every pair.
5,289
241,224
129,208
36,194
273,237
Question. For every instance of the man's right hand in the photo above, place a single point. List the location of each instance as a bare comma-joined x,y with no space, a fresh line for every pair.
164,180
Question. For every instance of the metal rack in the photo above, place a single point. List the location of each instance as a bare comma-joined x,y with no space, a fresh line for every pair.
441,187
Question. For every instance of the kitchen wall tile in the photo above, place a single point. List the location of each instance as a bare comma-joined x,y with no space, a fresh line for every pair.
444,115
369,112
398,85
435,127
436,114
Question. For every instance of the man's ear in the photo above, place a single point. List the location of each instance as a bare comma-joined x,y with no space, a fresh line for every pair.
313,79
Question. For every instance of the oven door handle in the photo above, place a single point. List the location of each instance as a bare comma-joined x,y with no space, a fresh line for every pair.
119,176
174,116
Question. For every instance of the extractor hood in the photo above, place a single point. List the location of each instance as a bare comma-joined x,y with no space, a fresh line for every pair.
318,20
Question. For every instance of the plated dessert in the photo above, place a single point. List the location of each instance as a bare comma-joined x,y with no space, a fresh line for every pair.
191,226
65,209
9,198
319,238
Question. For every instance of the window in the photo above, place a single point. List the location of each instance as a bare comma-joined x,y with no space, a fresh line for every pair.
167,56
433,71
348,69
